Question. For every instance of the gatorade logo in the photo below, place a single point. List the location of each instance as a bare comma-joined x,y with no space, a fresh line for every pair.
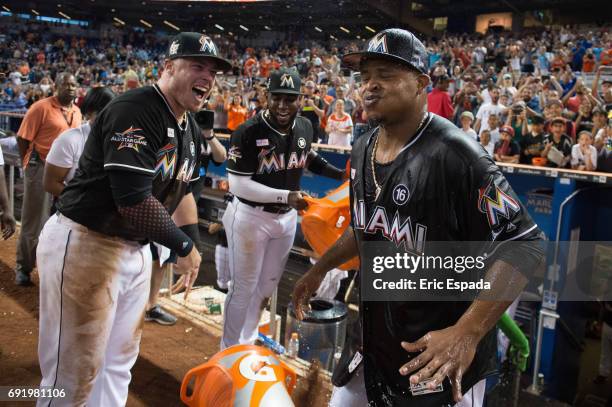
287,81
257,368
378,44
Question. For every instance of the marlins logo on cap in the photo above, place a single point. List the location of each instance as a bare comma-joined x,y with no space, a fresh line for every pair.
207,45
174,47
378,44
286,81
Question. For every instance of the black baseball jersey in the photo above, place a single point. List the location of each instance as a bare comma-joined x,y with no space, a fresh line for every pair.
270,157
442,186
136,132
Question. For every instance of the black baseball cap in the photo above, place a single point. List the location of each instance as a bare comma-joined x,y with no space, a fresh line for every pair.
285,81
394,44
191,44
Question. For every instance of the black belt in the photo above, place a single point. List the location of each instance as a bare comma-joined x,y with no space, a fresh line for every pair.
266,207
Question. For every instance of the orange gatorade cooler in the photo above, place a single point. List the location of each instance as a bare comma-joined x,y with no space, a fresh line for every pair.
240,376
325,219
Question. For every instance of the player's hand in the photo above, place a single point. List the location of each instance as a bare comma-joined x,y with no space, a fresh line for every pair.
296,200
189,263
445,353
7,225
303,291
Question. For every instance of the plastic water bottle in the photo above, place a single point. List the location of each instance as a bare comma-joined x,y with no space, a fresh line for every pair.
271,344
294,346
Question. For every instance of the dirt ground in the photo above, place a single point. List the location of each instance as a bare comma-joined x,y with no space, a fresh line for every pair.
166,353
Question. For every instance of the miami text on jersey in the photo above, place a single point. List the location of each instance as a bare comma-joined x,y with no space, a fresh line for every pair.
274,162
398,231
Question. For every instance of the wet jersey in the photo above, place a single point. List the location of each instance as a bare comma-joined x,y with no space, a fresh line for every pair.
270,157
136,132
442,186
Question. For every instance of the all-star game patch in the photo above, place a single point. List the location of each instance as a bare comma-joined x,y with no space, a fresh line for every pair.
129,138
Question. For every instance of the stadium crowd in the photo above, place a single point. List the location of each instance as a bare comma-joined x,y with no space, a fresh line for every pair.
540,98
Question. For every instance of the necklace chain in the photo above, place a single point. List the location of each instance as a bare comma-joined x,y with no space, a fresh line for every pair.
378,186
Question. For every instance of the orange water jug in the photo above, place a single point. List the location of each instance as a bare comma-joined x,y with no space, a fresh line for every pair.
326,219
240,376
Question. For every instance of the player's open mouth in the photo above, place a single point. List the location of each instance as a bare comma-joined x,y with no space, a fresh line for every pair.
199,92
282,116
370,100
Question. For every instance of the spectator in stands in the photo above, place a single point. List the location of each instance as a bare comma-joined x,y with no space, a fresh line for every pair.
341,94
532,144
439,100
486,143
467,118
599,120
494,129
603,145
466,100
517,119
584,155
487,109
312,109
506,150
63,158
236,112
555,110
42,124
339,126
7,221
557,145
216,103
508,87
584,118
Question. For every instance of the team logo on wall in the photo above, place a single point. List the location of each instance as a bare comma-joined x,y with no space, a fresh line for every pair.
378,44
207,45
301,142
400,194
129,138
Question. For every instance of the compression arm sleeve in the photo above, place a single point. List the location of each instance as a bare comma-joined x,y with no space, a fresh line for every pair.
320,166
145,213
244,187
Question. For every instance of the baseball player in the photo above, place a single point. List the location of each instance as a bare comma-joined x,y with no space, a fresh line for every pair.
267,156
417,171
94,258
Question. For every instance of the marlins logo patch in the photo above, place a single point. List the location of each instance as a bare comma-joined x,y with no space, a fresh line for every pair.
129,138
378,44
207,45
286,81
496,204
166,161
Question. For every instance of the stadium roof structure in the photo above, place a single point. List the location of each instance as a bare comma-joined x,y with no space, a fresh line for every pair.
341,19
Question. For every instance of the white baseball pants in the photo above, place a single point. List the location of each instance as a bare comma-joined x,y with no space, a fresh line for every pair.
259,243
93,293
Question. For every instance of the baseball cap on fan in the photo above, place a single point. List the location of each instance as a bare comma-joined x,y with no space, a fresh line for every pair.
393,44
194,45
285,81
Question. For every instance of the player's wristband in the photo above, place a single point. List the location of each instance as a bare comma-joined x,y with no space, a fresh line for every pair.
193,231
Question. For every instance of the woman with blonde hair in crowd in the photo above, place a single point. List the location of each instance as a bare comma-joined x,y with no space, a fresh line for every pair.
339,126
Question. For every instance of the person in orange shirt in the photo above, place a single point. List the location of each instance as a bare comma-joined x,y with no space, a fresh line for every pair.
588,61
43,122
236,112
